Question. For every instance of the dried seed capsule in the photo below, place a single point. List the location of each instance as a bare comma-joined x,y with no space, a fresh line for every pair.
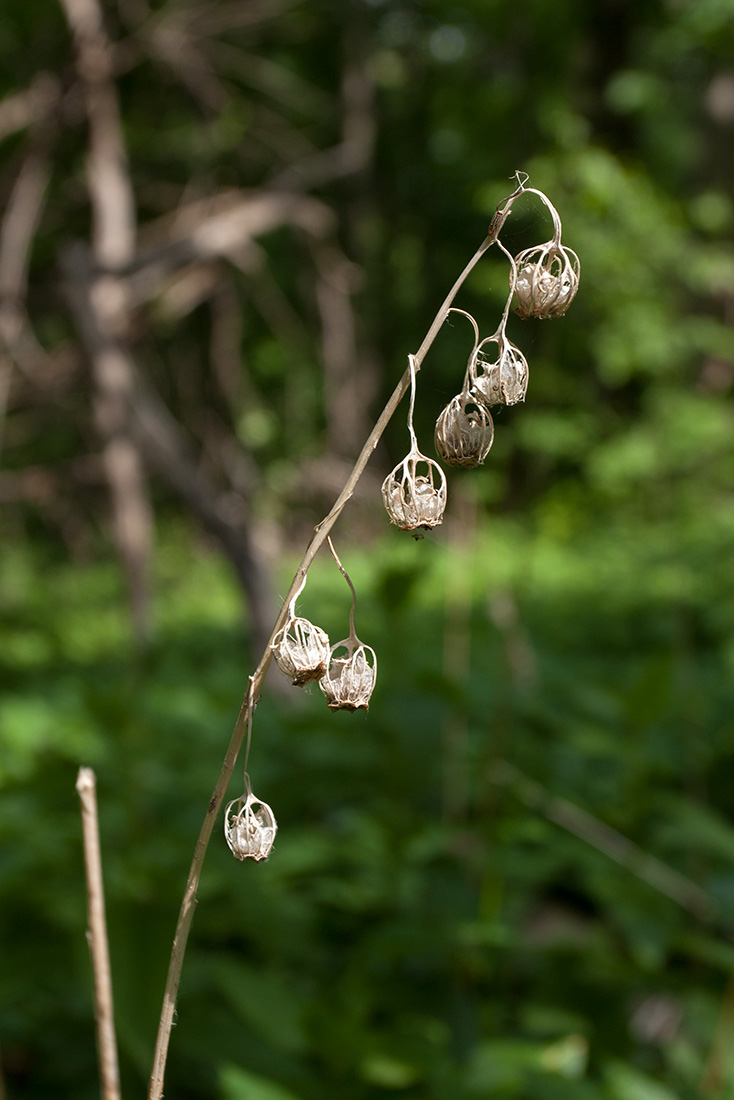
464,432
503,381
249,827
301,651
547,280
414,501
350,679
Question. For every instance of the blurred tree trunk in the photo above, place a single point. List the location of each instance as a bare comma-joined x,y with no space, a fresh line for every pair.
100,301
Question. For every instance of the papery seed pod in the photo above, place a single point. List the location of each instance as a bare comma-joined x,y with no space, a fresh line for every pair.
464,432
415,501
350,679
547,280
352,673
249,827
301,651
502,381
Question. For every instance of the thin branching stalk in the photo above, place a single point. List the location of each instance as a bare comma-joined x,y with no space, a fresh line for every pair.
86,786
250,701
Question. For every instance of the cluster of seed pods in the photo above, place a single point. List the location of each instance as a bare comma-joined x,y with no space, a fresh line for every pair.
346,673
543,282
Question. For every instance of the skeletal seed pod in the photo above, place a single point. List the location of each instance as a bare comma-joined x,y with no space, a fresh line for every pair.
547,280
464,432
352,673
415,501
249,827
502,381
350,679
301,651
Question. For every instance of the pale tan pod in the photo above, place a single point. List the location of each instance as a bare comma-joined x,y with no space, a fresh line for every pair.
502,380
250,827
415,501
547,280
301,651
350,679
464,432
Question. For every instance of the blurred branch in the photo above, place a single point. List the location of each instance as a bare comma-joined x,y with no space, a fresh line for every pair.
110,190
210,18
219,227
86,786
18,228
354,152
346,412
680,889
21,109
172,42
101,300
164,446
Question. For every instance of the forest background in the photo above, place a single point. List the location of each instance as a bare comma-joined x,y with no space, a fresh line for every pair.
515,876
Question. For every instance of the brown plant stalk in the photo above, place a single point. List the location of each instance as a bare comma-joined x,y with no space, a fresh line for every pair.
86,786
249,702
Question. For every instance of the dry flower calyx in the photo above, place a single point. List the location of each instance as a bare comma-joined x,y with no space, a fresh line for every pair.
300,649
350,678
249,826
464,431
414,493
546,276
500,378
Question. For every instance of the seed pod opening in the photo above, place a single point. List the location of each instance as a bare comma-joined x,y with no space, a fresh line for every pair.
464,432
301,651
250,827
351,676
415,501
547,280
502,381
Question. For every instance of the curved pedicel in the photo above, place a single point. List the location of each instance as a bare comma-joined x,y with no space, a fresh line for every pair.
545,278
352,673
414,493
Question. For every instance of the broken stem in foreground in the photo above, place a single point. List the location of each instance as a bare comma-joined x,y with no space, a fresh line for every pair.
86,786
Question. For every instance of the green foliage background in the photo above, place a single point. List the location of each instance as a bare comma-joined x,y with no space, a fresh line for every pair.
435,921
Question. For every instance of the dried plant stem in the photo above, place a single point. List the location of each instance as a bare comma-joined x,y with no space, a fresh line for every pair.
86,786
321,533
580,823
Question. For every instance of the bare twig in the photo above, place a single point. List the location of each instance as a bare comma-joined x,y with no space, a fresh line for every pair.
19,224
97,938
188,904
26,108
651,870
